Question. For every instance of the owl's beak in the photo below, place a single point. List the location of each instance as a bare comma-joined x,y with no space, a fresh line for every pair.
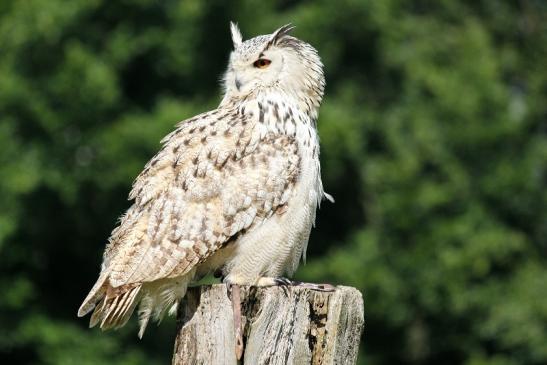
238,84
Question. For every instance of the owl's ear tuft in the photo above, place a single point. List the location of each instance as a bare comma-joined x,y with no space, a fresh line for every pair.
279,33
237,39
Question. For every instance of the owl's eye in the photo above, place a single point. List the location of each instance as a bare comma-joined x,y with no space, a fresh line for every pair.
262,63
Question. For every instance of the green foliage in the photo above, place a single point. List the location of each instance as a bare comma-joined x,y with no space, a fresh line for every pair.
434,145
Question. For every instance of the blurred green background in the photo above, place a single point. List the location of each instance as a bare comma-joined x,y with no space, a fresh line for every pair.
434,145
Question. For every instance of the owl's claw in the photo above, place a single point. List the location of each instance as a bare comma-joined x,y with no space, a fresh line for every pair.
283,281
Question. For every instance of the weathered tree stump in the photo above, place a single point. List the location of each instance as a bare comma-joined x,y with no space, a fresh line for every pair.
281,325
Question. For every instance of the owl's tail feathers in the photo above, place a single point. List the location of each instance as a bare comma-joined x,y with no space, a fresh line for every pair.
95,294
113,306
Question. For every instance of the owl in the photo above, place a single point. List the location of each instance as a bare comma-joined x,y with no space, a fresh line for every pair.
233,190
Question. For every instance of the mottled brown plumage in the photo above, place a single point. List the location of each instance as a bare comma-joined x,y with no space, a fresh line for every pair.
234,189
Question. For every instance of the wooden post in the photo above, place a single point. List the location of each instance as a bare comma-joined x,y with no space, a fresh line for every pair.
281,325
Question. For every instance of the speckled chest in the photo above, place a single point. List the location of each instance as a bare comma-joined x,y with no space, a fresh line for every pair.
278,116
275,114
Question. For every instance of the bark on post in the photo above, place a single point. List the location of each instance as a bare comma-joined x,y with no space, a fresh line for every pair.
281,325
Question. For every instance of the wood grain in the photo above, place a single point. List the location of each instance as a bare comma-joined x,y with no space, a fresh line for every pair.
281,325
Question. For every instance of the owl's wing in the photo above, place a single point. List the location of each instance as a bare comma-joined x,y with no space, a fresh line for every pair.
215,177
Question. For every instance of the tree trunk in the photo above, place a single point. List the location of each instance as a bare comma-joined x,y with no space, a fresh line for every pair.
281,325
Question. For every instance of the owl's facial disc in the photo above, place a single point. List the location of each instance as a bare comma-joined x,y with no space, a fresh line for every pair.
276,63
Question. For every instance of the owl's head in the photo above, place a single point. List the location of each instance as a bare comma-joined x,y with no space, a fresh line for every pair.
275,62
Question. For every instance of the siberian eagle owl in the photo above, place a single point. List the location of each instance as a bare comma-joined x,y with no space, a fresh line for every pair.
233,190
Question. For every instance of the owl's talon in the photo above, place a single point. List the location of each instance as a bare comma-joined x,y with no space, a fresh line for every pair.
283,281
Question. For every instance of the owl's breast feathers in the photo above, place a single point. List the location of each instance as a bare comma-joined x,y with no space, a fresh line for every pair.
218,174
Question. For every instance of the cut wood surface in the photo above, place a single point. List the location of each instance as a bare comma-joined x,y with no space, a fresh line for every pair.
281,325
